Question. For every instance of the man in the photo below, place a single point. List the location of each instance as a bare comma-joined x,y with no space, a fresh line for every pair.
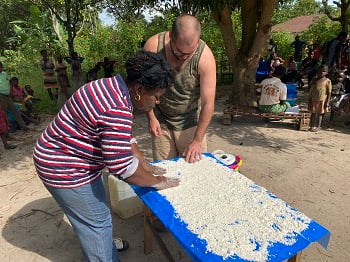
6,101
298,46
331,51
179,123
274,93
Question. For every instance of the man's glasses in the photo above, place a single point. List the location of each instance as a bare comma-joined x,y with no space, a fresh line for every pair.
179,54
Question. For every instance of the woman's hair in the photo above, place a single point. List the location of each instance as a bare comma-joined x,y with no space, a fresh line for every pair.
149,69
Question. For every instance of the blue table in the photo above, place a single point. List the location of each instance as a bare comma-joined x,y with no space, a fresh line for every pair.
196,247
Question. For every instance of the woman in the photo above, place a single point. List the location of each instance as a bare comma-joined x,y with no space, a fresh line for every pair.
92,131
48,67
77,72
61,67
64,91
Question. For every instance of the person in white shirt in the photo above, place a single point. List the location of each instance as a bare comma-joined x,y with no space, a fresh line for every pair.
274,93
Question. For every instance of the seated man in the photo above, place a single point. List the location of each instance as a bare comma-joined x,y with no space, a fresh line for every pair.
274,93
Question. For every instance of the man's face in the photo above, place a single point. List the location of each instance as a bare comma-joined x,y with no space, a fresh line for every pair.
182,50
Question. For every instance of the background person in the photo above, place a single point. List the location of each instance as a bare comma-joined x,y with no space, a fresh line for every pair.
319,97
92,73
108,67
298,46
17,92
92,131
75,62
274,93
179,123
4,128
6,101
47,66
61,67
331,51
64,92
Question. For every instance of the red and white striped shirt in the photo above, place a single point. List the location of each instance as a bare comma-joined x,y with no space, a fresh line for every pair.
92,131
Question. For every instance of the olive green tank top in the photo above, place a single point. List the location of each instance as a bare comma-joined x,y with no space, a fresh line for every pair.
180,104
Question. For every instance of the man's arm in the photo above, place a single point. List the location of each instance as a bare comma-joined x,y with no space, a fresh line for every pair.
153,123
207,72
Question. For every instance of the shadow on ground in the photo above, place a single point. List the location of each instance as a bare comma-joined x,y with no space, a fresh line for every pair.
39,227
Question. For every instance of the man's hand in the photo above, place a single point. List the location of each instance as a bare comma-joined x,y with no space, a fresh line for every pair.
154,127
194,152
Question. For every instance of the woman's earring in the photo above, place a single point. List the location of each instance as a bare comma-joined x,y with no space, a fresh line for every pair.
137,97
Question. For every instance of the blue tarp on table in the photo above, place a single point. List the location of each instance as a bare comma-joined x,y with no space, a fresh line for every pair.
196,247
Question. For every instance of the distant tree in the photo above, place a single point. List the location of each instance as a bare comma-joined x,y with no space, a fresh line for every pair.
125,10
287,10
72,14
343,17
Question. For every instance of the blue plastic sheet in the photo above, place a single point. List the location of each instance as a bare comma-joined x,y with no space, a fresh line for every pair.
196,247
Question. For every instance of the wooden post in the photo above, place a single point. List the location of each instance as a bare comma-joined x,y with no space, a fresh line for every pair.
147,230
296,258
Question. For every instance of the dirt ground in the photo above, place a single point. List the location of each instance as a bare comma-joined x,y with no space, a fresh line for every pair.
310,171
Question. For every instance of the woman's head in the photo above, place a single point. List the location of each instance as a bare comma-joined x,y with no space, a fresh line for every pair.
148,76
14,81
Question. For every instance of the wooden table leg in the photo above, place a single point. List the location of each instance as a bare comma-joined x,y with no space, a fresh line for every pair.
296,258
148,235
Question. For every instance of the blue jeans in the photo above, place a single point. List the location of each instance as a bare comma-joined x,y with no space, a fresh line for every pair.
87,210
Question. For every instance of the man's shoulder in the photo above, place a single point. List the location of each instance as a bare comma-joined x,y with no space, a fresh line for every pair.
152,42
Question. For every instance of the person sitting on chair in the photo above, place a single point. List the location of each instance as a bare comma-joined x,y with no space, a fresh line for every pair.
274,93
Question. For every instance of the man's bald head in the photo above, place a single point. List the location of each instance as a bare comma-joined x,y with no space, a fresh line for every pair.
186,27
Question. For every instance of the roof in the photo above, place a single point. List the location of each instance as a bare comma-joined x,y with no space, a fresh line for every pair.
297,24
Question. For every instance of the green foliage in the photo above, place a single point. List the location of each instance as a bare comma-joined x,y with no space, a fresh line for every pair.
290,9
130,36
159,24
212,36
321,31
10,10
283,41
37,30
94,47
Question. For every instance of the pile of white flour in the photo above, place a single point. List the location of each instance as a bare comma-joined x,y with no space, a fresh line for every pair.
230,212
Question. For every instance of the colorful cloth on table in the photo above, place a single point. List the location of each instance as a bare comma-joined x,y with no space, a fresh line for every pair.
178,108
276,108
50,80
4,126
88,135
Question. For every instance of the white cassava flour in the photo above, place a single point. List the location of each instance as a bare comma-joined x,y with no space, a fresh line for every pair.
229,211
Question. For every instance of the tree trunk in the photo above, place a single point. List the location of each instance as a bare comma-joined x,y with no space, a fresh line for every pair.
256,30
243,90
55,25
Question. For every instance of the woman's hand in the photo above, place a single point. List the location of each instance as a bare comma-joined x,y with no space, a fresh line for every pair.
159,171
167,182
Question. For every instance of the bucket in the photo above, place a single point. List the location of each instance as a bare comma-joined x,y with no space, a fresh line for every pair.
292,93
124,202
